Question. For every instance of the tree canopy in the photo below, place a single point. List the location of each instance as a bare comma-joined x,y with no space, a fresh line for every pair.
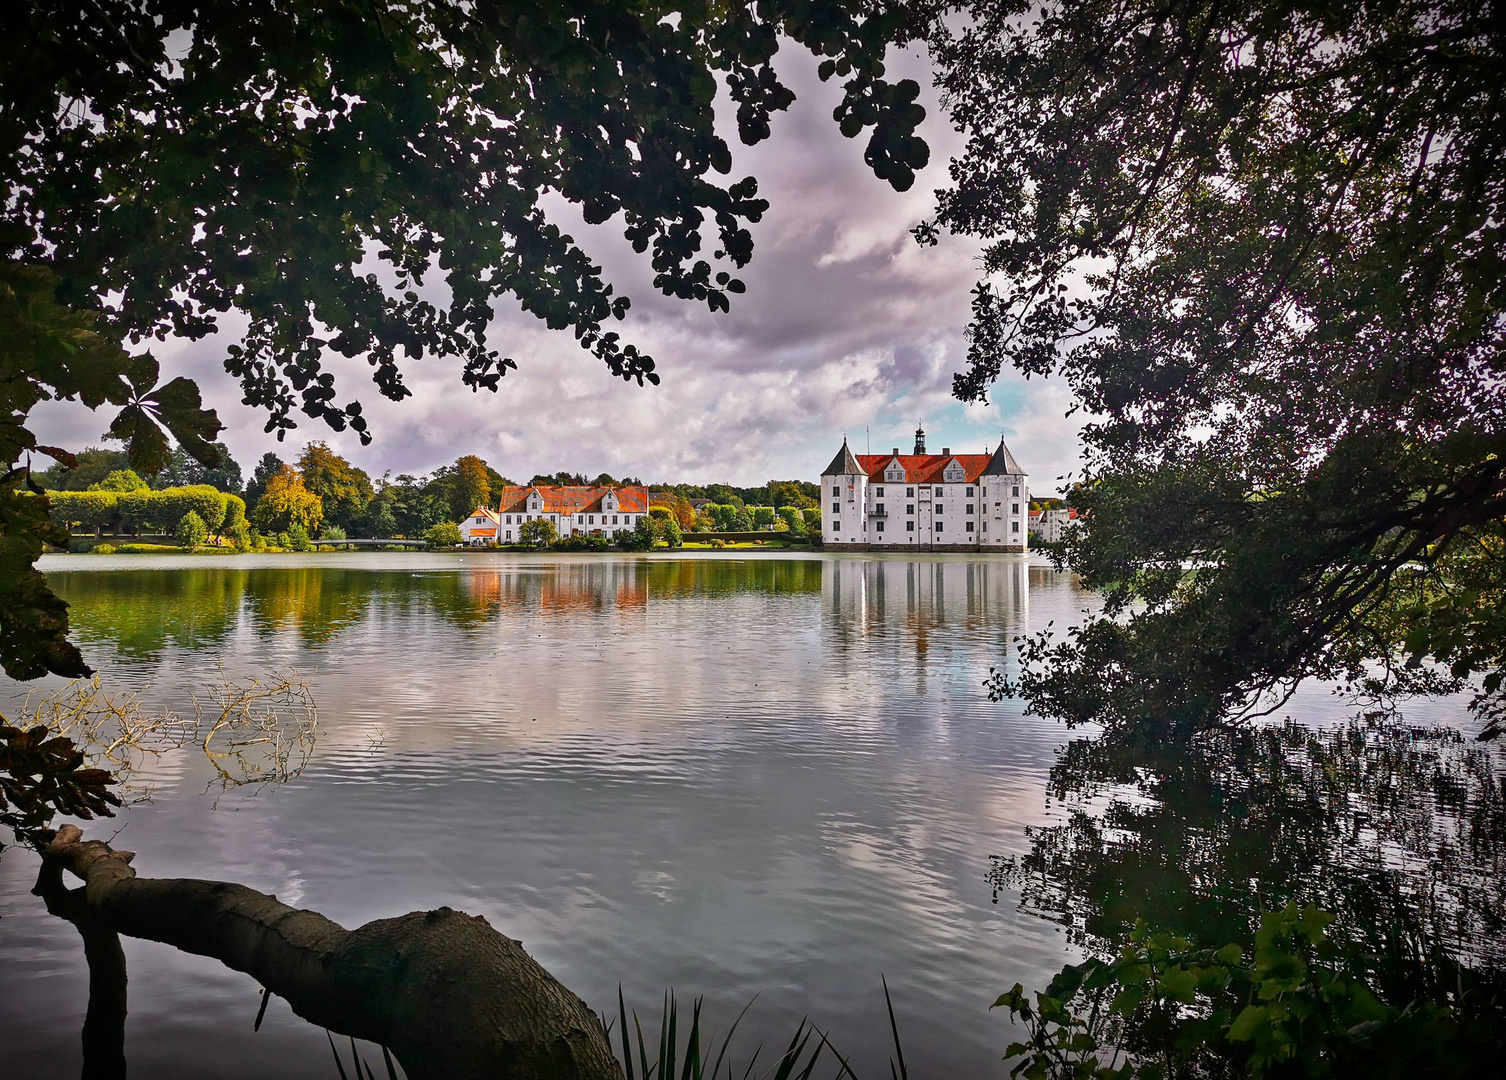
1263,244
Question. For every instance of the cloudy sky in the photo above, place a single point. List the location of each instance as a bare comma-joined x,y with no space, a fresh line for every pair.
847,326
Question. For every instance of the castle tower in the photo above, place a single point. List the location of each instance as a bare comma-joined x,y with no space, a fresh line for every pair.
844,498
1006,502
920,440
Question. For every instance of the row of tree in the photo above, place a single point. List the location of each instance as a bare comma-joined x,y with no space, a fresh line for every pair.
320,490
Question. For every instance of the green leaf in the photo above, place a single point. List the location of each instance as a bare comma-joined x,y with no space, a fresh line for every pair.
1247,1023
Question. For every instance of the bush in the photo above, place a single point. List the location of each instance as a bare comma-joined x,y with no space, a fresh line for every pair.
539,532
331,532
81,547
298,538
446,534
241,538
792,520
718,542
104,549
669,532
235,514
192,532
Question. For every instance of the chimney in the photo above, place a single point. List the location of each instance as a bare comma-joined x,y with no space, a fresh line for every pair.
946,451
920,440
896,451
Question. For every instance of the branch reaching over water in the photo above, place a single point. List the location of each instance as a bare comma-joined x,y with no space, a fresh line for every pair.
450,996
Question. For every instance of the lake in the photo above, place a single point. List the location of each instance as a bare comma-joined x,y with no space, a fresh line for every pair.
765,775
729,776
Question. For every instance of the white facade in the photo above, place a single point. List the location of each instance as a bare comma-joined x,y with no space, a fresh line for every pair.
480,529
1050,526
923,501
590,511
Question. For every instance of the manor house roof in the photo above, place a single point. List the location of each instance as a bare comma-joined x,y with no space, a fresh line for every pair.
923,468
585,499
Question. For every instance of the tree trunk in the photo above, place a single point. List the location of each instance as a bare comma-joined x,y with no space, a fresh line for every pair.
448,995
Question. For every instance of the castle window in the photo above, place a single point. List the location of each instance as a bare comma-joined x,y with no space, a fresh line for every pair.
969,495
836,508
969,526
1014,508
909,508
969,508
909,526
879,492
1016,491
909,493
1014,526
939,509
836,526
938,526
880,526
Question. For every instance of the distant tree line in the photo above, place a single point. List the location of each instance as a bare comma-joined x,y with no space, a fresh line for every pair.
321,495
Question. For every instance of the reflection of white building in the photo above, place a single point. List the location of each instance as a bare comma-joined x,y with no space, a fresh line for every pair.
925,596
925,502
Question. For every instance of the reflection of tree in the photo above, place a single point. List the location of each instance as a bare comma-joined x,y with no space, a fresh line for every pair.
139,612
1400,832
318,602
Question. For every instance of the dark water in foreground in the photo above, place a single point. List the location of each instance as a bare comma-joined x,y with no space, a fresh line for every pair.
731,776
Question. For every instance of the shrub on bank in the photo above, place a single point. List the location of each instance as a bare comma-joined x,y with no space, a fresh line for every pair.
442,535
192,532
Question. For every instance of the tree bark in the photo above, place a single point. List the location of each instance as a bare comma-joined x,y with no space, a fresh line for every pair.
448,995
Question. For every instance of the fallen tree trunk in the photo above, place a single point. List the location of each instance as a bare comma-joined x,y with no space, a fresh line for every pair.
448,995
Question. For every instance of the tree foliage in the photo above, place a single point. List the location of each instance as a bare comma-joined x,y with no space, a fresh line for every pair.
196,158
538,532
1264,247
343,489
191,532
470,486
287,504
120,480
443,534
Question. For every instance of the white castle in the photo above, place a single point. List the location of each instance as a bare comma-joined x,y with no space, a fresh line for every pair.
926,502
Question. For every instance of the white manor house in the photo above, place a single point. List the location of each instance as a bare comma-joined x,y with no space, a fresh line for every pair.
927,502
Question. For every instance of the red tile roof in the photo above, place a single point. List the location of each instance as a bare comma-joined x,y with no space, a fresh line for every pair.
573,500
924,468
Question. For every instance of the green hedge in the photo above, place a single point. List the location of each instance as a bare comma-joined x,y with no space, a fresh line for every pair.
85,509
154,511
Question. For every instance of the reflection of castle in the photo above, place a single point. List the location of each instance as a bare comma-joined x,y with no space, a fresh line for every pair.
922,595
925,502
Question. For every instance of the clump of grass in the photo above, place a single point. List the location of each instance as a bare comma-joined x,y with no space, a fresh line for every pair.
358,1063
798,1062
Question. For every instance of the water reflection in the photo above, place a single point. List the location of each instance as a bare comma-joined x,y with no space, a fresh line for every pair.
1398,830
710,773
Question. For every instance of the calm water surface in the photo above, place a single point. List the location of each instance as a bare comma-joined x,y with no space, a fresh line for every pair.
728,776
